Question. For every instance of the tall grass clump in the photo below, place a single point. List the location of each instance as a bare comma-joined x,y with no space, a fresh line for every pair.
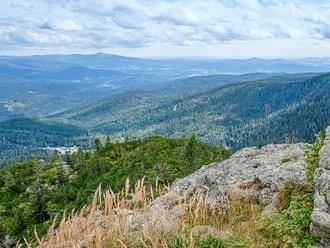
188,221
112,220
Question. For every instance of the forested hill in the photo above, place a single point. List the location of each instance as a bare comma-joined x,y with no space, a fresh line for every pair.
208,82
241,114
26,138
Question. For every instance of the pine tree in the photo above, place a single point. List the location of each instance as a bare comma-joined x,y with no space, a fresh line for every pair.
190,151
97,144
38,196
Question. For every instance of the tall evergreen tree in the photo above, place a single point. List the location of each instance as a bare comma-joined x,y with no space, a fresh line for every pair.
38,196
190,151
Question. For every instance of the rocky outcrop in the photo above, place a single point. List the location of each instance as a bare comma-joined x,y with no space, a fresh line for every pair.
251,172
320,226
258,173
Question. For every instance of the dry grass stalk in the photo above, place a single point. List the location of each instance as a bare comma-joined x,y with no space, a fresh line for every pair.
109,221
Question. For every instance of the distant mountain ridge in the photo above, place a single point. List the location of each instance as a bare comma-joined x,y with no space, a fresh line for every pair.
167,65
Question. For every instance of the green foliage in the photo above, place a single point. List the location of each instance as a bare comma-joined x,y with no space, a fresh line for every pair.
33,192
190,151
290,228
312,156
243,242
201,241
210,241
207,241
287,193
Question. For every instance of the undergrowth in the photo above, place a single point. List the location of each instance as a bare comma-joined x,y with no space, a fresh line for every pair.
289,228
312,156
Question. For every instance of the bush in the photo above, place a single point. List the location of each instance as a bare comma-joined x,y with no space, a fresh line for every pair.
312,156
290,228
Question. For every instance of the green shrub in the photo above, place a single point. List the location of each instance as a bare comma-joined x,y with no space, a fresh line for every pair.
210,241
200,241
290,228
312,156
286,194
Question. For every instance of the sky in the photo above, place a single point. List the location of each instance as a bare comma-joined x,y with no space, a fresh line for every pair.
167,28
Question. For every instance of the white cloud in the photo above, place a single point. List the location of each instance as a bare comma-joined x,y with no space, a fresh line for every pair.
117,24
61,25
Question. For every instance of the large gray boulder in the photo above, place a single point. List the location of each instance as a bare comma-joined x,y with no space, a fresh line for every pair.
250,172
320,226
258,173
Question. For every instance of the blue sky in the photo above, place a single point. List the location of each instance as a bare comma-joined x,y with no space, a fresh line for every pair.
152,28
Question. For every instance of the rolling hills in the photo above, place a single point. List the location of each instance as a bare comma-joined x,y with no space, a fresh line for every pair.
62,82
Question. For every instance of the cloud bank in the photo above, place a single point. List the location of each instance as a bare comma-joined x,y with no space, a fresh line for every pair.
159,25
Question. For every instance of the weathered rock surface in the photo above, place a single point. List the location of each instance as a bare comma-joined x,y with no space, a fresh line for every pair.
252,172
258,173
320,226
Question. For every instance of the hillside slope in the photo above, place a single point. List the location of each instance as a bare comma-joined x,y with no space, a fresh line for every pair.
256,112
25,138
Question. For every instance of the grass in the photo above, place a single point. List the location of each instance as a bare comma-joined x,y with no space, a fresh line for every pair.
111,220
119,220
289,228
114,220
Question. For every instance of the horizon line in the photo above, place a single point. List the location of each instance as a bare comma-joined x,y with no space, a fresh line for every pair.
164,57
